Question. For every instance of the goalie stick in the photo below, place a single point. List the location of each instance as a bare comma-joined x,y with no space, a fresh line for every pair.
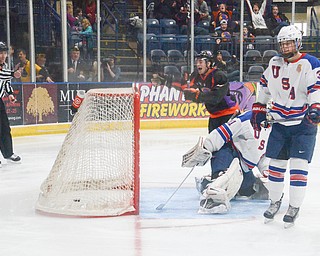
161,206
197,156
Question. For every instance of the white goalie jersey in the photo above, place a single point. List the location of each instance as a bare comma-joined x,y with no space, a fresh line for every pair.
250,145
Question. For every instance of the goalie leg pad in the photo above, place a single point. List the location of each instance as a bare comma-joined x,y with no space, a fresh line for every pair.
218,194
230,180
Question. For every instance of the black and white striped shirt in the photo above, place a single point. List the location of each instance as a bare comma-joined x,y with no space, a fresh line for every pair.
5,81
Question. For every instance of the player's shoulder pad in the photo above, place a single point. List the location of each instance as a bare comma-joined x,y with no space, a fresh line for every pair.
245,116
314,62
220,77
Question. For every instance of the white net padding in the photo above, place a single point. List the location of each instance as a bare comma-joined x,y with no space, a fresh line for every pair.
96,172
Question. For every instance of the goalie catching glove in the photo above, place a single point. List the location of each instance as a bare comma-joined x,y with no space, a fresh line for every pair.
198,155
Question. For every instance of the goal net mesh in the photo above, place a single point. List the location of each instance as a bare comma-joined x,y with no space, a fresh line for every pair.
96,170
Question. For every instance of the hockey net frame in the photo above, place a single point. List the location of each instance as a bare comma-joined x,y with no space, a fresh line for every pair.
96,172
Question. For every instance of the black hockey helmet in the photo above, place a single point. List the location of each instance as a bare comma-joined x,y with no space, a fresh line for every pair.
206,55
3,47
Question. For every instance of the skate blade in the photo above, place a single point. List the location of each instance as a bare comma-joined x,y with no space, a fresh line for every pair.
13,162
220,209
266,220
288,225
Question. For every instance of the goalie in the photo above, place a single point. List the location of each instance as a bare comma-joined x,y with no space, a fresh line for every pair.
247,153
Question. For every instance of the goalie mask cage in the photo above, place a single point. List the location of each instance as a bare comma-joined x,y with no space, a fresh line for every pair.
96,172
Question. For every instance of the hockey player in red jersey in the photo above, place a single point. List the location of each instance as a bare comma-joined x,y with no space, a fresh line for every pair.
292,82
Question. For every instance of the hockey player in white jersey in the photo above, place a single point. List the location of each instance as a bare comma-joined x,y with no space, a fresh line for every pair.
292,82
248,152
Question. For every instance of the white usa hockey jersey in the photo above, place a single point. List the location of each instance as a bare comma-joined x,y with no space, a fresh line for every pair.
249,145
290,86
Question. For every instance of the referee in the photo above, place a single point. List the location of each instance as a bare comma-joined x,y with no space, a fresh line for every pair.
6,89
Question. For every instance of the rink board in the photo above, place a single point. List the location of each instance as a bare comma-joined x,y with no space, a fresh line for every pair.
185,203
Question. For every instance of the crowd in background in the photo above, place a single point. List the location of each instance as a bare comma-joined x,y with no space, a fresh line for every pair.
218,12
218,18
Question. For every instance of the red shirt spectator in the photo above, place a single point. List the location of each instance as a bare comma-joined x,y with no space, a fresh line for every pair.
91,10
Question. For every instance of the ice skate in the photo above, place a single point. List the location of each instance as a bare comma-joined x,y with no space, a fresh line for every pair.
14,159
208,206
290,216
272,210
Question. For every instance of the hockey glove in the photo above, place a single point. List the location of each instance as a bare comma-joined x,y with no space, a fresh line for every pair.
314,113
191,94
259,114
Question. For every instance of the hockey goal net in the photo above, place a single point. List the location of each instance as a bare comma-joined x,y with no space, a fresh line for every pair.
96,172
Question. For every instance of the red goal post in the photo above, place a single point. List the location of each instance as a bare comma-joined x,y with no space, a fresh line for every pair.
96,172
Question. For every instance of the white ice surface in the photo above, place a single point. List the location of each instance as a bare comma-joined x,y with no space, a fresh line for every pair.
177,230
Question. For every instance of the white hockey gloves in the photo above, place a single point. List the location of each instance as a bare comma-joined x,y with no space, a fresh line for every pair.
198,155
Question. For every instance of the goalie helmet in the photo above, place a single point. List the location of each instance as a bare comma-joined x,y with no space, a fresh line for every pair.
3,47
290,33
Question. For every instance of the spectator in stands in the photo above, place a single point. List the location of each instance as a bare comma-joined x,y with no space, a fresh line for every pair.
110,71
76,66
87,38
70,18
90,11
11,52
25,68
41,62
248,38
181,13
201,11
135,26
230,68
79,17
163,9
223,32
276,21
224,14
157,79
258,21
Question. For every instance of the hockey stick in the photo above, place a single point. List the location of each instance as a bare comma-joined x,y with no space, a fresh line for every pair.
265,123
160,206
234,115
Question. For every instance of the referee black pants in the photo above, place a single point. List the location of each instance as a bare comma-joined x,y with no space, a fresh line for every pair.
5,133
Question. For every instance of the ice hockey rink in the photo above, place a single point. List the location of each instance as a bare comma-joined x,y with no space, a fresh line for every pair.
176,230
